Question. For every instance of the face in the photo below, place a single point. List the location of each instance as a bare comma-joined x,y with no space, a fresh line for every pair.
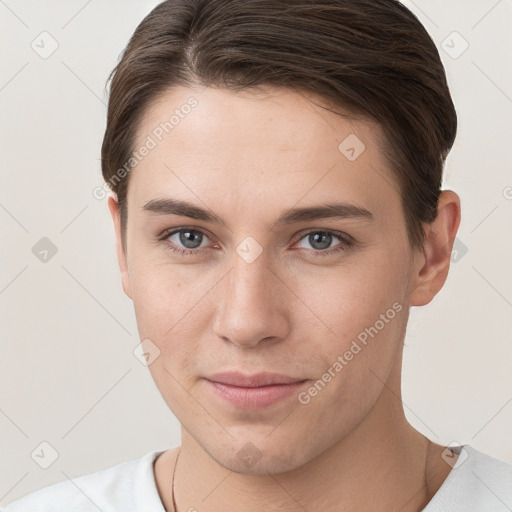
264,279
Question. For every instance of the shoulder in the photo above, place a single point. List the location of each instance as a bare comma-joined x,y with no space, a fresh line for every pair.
124,486
477,482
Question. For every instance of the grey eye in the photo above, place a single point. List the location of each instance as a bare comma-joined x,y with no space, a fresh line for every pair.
319,240
188,238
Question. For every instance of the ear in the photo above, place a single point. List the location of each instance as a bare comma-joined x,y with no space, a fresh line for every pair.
113,206
433,262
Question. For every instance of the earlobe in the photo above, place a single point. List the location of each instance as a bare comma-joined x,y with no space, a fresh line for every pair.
113,206
433,262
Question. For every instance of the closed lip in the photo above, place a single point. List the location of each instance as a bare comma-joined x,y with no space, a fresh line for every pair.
253,381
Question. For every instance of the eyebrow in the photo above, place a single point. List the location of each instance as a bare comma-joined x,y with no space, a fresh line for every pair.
170,206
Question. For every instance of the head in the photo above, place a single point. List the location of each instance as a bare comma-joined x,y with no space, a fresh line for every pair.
276,171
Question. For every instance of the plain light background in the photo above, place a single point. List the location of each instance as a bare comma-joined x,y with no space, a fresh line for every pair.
68,375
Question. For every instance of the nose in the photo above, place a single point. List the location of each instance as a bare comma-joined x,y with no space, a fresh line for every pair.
252,305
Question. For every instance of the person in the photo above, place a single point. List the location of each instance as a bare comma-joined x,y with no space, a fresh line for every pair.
276,174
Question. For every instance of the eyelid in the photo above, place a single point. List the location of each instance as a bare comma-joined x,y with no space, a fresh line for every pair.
172,231
163,238
346,241
340,234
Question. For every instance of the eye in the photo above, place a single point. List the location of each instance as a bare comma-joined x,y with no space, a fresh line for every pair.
320,241
185,240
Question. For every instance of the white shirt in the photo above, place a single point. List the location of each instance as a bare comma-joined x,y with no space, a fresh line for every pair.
476,483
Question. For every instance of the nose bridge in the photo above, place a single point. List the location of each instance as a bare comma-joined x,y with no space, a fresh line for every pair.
249,308
249,276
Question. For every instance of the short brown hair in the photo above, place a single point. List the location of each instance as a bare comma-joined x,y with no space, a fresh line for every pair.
372,57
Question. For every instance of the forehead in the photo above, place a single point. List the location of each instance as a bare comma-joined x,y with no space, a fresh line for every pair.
266,147
282,119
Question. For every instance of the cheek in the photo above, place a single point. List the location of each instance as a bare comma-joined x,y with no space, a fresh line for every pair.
170,314
360,315
163,294
346,299
161,302
353,363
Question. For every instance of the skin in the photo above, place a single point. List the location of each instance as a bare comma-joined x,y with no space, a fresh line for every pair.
248,157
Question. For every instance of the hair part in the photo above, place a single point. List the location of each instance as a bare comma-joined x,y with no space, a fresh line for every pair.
370,58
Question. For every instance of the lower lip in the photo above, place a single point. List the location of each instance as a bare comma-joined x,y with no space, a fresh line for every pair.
254,398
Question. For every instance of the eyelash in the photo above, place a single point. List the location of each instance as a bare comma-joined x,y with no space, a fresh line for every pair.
346,242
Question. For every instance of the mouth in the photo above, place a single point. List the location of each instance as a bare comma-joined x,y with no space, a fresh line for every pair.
253,391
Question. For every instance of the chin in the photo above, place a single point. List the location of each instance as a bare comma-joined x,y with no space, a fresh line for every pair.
258,454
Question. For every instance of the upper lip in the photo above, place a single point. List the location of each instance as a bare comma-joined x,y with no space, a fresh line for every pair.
252,381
